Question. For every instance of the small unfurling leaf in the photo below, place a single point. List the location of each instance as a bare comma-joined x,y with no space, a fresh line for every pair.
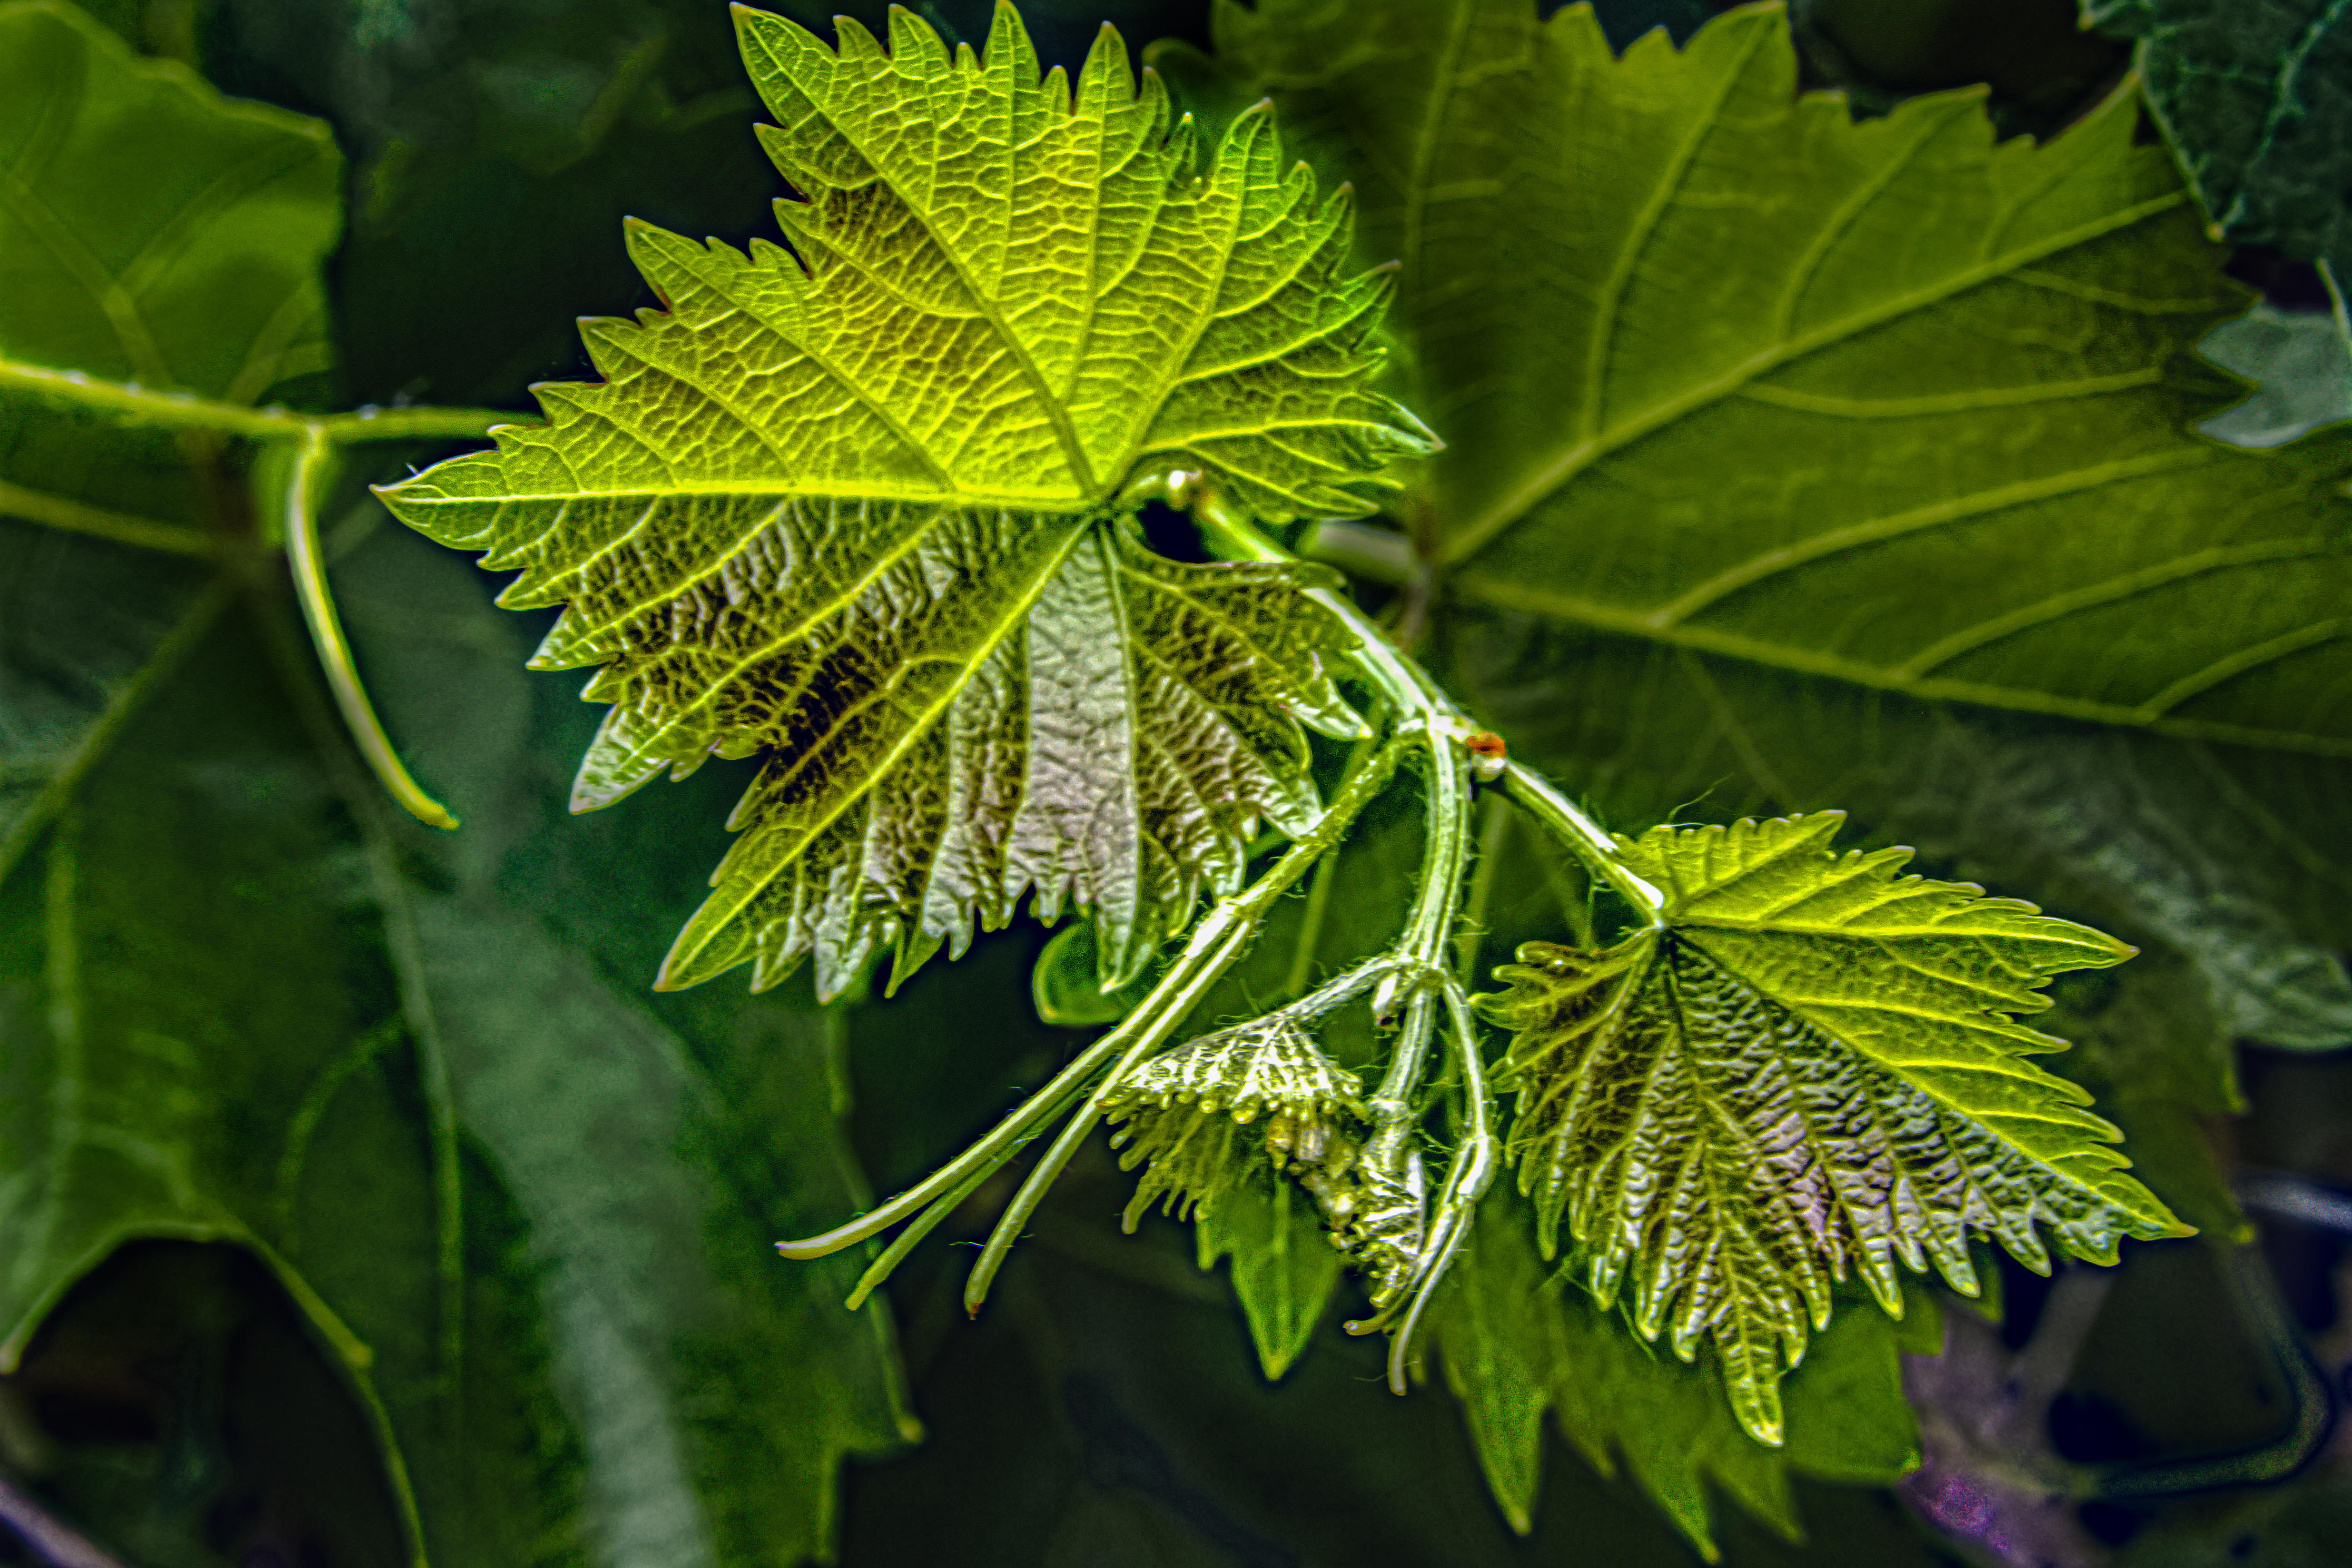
1192,1113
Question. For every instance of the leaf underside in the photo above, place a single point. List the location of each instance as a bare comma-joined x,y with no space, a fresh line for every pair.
1814,1066
858,505
1772,371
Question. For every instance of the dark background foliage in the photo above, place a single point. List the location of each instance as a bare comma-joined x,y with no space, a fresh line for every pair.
1106,1409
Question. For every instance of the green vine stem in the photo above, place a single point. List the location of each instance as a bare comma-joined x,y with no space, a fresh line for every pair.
1432,718
1591,842
311,463
144,406
314,437
1476,1159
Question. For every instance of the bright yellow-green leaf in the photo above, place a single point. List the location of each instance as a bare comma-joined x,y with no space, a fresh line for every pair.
1812,1066
854,505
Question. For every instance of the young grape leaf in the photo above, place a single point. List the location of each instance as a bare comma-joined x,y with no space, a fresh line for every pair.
854,505
1515,1339
2257,102
1883,402
2226,866
1811,1066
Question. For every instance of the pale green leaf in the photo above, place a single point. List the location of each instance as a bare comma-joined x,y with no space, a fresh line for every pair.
852,504
1723,370
1813,1066
2302,363
1285,1268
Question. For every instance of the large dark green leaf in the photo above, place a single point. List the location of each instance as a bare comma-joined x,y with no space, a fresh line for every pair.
1683,571
151,232
525,1207
528,1207
1755,360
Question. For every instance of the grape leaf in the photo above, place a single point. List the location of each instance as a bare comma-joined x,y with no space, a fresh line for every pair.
2257,101
239,1004
1510,189
2226,866
1811,1066
205,280
1284,1265
854,505
1775,373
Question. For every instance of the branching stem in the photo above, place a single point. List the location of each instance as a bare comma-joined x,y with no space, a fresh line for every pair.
1205,957
1476,1159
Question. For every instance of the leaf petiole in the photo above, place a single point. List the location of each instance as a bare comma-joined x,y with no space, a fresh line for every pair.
880,1271
1586,838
